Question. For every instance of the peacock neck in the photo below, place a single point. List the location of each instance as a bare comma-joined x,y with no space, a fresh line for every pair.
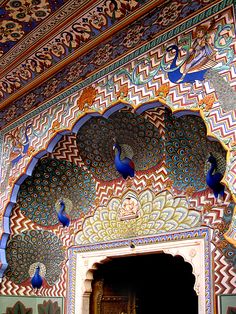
118,152
212,168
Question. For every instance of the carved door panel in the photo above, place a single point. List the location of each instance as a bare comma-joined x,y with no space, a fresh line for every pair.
105,303
114,305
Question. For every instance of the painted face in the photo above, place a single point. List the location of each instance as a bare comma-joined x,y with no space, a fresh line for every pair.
200,33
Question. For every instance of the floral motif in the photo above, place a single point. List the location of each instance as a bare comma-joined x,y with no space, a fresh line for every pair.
169,184
87,98
103,55
169,14
23,72
207,208
189,191
10,114
156,214
29,99
51,87
207,102
57,49
11,181
133,36
222,227
149,183
97,20
222,244
74,73
25,10
55,126
30,151
163,90
123,91
10,31
117,9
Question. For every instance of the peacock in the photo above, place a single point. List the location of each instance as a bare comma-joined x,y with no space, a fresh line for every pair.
213,179
62,216
124,166
37,280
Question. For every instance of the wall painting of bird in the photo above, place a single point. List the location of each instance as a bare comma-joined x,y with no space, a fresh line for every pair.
37,280
213,178
125,166
62,216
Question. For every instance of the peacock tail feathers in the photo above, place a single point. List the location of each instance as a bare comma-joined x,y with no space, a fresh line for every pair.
224,91
34,246
126,151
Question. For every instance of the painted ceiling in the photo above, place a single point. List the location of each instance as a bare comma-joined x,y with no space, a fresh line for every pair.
39,37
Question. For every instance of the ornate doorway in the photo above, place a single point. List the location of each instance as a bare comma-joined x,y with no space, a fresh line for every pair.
192,245
151,283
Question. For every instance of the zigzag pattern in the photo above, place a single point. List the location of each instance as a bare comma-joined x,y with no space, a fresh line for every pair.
19,223
157,176
105,98
157,118
10,288
224,275
66,235
223,123
70,112
67,149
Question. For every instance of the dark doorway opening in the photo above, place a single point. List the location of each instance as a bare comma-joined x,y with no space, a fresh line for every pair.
145,284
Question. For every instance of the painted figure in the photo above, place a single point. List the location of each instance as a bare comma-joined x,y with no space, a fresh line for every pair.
201,54
129,208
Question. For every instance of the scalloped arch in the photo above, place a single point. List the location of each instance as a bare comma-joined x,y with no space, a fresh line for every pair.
55,139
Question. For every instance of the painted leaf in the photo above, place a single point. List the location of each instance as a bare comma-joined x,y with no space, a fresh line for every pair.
49,307
19,308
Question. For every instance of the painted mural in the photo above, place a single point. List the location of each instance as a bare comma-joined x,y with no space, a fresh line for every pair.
163,97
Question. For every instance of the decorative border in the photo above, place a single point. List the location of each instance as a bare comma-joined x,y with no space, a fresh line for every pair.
203,233
111,68
128,57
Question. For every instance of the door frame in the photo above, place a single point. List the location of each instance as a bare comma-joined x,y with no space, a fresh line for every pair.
193,245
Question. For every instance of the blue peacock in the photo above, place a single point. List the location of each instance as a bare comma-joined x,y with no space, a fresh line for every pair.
125,166
213,178
62,216
37,280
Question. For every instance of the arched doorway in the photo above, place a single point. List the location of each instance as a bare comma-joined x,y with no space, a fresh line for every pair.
152,283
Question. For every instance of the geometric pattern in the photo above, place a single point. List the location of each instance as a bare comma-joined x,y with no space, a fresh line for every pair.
224,274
